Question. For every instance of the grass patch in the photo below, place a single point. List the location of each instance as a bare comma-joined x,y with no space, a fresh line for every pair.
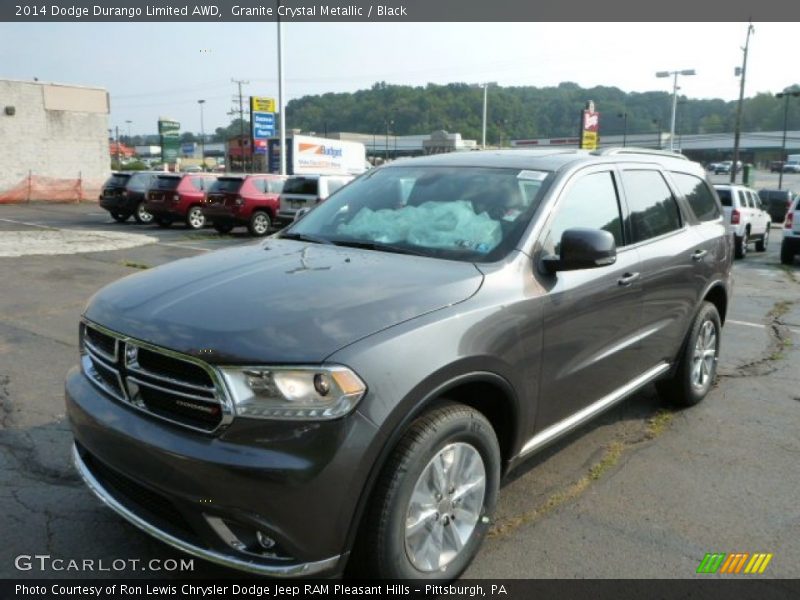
658,423
779,309
790,272
134,265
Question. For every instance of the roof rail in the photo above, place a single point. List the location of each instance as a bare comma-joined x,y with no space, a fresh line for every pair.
635,150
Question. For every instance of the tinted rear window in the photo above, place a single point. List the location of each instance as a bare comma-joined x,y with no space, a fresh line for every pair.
227,184
166,182
300,185
724,197
697,194
118,179
139,181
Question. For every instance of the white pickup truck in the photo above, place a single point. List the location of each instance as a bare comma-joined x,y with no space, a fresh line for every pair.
746,217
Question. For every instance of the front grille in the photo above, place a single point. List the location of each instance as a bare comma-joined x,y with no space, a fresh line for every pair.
158,382
138,498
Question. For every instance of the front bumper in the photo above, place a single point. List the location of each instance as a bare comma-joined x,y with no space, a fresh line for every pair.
298,483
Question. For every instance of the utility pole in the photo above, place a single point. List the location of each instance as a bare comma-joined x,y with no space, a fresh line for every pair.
737,130
202,136
786,94
483,128
281,104
116,132
240,83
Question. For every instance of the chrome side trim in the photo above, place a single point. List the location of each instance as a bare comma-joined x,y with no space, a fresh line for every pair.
232,562
574,421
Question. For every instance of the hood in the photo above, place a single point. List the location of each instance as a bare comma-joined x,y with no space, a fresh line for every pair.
279,301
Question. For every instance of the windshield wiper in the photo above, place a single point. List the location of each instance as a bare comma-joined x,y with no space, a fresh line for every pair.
305,237
380,246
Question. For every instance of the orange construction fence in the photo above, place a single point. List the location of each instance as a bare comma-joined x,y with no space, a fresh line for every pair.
35,188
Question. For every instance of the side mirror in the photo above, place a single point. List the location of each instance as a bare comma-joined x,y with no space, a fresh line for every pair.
301,212
582,248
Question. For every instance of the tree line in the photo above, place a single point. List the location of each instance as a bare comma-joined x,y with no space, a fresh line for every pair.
516,112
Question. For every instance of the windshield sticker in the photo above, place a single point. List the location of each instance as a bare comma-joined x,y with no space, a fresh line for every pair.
532,175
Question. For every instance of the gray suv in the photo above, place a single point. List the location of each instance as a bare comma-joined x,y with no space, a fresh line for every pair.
360,384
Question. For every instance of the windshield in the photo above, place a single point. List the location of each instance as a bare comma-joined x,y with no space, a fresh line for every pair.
167,182
470,214
139,181
227,184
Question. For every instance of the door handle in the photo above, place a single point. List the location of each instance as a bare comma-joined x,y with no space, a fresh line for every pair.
628,279
699,254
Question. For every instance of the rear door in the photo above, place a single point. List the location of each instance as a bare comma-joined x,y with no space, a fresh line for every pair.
592,317
669,252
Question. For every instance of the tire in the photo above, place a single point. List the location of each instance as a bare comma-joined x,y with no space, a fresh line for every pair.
761,245
195,219
787,254
696,370
223,228
141,215
120,217
389,550
740,245
259,223
163,222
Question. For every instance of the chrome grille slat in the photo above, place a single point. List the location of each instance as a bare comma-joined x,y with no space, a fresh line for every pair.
179,400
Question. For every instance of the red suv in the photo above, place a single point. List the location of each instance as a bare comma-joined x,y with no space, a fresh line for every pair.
179,197
250,200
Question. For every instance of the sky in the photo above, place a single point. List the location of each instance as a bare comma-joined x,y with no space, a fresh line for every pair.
162,69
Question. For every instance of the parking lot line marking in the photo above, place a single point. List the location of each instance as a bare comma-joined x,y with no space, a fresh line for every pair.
757,325
28,224
183,246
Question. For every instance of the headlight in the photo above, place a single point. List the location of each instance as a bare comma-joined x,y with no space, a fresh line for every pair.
291,393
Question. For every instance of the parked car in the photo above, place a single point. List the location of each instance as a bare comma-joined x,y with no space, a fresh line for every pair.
790,245
357,386
306,191
791,167
776,202
179,197
725,167
775,166
746,217
249,200
124,194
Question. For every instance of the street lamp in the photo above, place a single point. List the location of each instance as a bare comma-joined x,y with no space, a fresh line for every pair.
786,96
485,87
202,135
685,72
624,117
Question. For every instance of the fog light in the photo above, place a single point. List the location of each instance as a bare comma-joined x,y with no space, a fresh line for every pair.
264,540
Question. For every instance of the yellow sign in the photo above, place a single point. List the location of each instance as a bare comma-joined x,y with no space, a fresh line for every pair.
589,140
258,104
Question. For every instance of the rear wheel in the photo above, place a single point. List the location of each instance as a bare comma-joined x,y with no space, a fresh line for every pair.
259,223
697,369
120,217
141,215
761,245
787,254
740,245
195,219
223,227
432,503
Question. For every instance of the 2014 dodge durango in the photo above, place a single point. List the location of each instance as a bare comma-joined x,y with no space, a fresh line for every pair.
366,378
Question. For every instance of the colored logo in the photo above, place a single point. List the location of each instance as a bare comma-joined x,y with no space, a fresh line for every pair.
735,563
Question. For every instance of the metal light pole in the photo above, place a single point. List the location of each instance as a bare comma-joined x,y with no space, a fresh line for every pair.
202,135
281,105
128,122
738,129
624,117
657,123
483,129
685,72
786,96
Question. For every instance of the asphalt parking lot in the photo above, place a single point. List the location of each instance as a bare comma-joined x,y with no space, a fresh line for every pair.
645,491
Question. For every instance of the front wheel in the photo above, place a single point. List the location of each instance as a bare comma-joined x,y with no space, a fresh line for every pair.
259,224
141,215
434,499
697,366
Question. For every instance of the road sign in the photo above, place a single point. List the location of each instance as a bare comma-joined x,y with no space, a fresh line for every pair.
263,125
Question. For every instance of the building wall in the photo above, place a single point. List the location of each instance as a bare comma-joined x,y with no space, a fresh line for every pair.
57,131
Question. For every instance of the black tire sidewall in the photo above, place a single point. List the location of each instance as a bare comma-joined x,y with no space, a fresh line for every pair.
468,427
189,218
251,226
689,394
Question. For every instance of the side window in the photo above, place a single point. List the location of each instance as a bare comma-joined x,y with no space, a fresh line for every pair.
197,183
654,211
697,194
742,199
592,202
260,184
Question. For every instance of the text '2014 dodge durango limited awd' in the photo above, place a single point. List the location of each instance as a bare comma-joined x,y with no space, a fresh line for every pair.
365,378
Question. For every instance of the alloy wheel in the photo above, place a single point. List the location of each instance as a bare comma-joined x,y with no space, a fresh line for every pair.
705,355
142,215
196,219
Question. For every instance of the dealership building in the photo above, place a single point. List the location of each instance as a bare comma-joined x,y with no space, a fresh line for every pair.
53,141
